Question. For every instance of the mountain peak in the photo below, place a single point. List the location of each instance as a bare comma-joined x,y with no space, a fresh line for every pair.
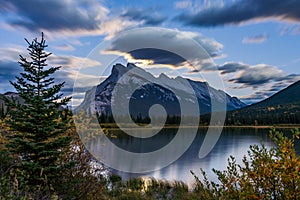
156,93
119,69
131,66
163,76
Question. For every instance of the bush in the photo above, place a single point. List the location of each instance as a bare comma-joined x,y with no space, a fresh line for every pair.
265,174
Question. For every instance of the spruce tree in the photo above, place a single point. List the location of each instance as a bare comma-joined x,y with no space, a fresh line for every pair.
2,111
38,131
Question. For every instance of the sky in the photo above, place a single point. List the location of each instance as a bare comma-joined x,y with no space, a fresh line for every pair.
253,44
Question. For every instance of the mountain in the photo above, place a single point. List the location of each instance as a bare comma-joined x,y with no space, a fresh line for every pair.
281,108
283,98
16,97
143,90
9,95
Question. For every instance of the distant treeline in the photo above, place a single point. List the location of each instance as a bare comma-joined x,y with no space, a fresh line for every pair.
139,119
255,117
264,116
259,116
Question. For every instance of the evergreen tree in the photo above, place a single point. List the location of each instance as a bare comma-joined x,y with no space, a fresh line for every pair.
2,114
38,133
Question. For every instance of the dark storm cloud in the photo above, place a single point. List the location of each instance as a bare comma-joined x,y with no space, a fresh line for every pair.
194,46
244,10
52,14
257,75
175,40
232,67
158,56
147,16
8,71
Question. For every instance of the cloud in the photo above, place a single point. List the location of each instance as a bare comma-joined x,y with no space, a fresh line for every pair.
65,47
231,67
243,11
10,68
257,96
112,27
70,18
269,90
72,62
157,56
264,80
11,53
148,17
256,75
182,4
79,84
292,29
255,39
83,81
56,14
173,40
291,78
8,71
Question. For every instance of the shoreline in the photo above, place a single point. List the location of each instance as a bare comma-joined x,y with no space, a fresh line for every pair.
142,126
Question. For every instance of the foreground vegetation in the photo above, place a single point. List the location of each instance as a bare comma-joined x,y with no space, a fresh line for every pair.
42,157
264,174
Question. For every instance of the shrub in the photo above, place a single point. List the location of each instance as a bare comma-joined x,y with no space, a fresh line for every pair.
265,173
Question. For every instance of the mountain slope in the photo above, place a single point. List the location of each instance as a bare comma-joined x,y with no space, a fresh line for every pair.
150,90
287,96
281,108
9,95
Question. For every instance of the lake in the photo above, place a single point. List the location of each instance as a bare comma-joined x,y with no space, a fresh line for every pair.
232,141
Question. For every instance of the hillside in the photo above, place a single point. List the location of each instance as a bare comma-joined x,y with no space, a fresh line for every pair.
281,108
287,96
9,95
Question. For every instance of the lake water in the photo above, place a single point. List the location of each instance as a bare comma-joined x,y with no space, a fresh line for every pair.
232,141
